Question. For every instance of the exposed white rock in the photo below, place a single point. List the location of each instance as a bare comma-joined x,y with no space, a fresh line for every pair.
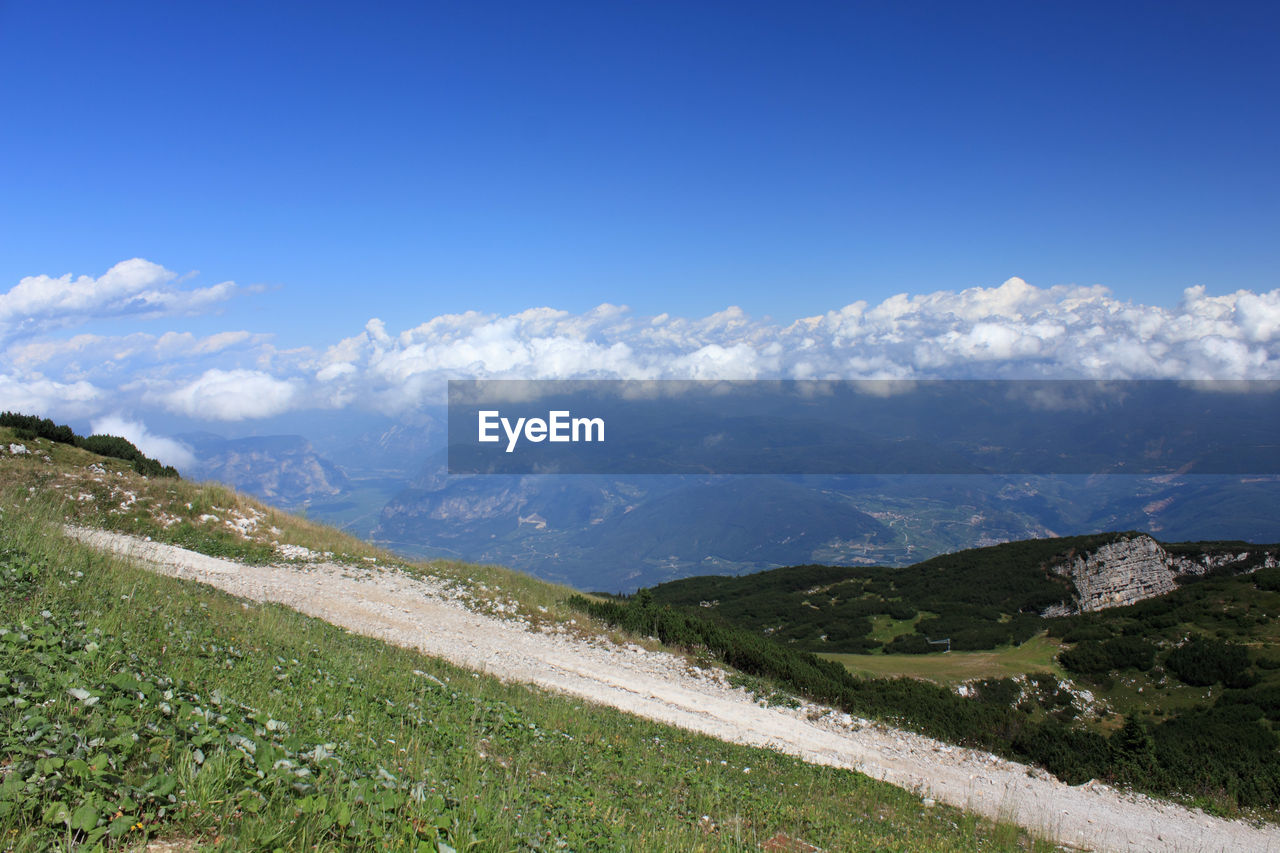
1133,569
1120,573
296,552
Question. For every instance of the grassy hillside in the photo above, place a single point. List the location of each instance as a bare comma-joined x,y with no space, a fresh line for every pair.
135,707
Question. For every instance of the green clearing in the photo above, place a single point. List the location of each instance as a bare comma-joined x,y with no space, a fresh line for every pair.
884,627
1035,655
135,707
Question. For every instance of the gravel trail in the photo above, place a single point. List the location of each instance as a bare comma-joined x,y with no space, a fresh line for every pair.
428,615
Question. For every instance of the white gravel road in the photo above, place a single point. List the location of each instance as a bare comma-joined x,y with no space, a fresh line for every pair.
428,615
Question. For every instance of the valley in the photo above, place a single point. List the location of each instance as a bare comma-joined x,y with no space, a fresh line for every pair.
618,533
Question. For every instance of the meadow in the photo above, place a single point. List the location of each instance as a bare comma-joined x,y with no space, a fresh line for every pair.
1039,654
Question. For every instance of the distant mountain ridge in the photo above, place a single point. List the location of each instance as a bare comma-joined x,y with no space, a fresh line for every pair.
282,469
621,533
390,482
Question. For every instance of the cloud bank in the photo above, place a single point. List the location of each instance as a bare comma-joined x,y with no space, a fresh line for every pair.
1013,330
133,287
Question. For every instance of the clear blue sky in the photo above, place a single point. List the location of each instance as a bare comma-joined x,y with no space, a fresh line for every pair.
406,160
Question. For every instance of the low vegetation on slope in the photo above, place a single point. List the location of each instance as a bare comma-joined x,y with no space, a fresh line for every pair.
28,427
135,707
980,598
1199,670
1178,694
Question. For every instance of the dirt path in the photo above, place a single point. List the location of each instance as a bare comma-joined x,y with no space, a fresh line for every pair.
426,614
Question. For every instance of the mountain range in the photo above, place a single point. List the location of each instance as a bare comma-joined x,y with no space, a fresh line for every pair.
390,482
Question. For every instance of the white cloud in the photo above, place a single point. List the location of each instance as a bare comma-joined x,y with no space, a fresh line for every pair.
335,371
36,395
1013,330
105,351
133,287
231,395
167,450
185,343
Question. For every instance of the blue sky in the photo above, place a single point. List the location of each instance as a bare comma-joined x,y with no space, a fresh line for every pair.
344,162
432,157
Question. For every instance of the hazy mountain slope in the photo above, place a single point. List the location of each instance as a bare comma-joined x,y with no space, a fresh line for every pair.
608,533
281,469
562,527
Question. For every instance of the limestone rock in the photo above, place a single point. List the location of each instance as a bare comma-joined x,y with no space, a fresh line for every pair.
1132,569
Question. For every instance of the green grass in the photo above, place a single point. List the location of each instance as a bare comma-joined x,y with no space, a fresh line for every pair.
136,707
884,627
1035,655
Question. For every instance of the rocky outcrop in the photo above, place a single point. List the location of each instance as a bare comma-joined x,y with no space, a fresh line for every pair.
1134,568
1119,573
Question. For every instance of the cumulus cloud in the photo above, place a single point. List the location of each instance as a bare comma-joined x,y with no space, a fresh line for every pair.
34,394
134,287
230,395
1013,330
167,450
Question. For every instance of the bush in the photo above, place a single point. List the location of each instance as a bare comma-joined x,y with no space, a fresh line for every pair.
1200,663
33,427
1088,658
1093,658
1130,652
1220,750
910,644
900,610
1267,579
1073,755
1081,633
998,691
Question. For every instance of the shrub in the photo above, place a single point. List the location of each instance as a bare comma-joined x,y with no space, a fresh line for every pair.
1200,663
910,644
998,691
